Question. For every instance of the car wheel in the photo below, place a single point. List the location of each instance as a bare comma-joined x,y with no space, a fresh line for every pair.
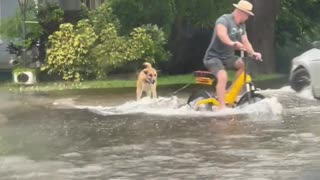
315,95
300,79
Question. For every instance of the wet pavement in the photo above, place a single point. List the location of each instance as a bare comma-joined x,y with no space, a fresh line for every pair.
105,134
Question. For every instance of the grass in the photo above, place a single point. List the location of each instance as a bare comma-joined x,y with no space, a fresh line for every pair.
99,84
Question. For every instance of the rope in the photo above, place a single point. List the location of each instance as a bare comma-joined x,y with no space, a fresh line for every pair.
185,86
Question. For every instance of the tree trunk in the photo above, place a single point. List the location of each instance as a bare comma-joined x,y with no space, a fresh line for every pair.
260,30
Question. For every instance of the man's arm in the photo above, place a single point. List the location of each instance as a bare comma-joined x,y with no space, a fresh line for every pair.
248,47
222,34
221,31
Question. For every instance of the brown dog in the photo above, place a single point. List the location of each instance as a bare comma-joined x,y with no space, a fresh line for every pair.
147,81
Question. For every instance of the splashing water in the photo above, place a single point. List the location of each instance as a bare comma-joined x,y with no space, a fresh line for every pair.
173,106
306,93
266,109
295,103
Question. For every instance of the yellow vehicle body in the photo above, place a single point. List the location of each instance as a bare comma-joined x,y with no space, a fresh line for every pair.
231,95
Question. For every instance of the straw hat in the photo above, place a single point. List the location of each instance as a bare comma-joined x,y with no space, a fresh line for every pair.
245,6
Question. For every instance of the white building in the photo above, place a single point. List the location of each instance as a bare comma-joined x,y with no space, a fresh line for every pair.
10,7
7,8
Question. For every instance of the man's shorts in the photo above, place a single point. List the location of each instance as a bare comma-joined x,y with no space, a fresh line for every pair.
214,65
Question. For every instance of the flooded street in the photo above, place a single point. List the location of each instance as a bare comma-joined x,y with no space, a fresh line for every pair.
102,135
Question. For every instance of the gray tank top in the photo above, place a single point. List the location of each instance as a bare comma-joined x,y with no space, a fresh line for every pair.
217,49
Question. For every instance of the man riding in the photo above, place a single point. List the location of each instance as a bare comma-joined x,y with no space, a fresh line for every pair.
229,35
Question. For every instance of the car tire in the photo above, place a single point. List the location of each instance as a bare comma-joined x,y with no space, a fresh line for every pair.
315,95
300,79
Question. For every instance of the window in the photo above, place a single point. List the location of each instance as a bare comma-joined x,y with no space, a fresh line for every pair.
92,4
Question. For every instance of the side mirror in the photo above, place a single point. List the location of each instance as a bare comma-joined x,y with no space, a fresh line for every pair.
316,44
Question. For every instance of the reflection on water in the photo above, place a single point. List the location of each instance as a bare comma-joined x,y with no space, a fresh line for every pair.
64,140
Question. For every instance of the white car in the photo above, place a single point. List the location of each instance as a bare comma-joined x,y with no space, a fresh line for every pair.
305,71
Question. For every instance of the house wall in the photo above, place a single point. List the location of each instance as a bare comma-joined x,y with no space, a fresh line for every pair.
70,5
92,4
7,8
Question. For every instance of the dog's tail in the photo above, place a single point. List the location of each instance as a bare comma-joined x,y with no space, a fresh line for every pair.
147,65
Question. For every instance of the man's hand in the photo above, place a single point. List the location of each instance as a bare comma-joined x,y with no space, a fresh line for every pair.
238,46
256,56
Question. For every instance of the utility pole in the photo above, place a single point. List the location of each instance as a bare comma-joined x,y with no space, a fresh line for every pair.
0,20
23,4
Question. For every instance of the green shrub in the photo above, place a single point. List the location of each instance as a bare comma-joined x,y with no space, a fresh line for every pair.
67,51
94,47
115,51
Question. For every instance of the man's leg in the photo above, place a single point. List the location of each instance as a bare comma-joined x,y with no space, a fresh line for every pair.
222,79
235,63
216,67
239,65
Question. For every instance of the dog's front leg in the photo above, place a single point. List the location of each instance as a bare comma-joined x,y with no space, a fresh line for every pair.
139,94
149,93
154,92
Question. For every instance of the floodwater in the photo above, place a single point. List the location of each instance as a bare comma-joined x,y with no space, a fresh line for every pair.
102,135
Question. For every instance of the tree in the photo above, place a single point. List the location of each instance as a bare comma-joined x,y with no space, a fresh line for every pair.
261,32
93,47
297,26
10,30
67,50
185,22
50,16
134,13
145,42
191,32
190,27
